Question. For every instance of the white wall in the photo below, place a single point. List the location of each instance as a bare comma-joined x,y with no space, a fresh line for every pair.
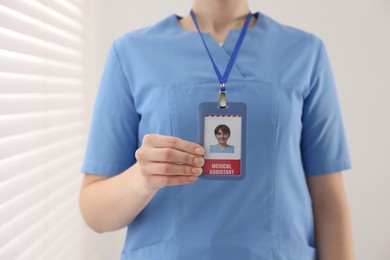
357,36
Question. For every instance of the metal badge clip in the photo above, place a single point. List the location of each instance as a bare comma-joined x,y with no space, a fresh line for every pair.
222,96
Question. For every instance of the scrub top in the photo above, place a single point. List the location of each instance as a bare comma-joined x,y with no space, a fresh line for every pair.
215,148
153,81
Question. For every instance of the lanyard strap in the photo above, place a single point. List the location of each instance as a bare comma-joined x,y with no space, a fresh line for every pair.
223,79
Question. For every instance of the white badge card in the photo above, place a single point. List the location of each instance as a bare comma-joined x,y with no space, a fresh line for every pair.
222,132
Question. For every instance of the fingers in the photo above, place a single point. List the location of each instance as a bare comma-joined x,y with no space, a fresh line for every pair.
170,169
169,155
161,141
168,161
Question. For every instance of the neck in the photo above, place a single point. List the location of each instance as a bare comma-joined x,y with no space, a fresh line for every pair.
220,15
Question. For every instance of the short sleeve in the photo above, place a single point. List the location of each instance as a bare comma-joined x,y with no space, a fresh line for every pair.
324,145
112,139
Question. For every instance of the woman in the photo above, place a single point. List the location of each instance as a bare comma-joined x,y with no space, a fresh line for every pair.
222,134
142,161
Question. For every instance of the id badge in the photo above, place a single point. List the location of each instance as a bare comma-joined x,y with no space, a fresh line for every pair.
222,132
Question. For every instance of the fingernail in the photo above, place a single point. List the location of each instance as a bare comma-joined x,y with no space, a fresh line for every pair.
198,161
192,178
197,171
199,151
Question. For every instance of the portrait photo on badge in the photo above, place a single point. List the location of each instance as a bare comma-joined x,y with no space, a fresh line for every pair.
221,135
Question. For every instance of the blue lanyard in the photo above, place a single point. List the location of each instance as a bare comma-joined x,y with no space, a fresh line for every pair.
222,100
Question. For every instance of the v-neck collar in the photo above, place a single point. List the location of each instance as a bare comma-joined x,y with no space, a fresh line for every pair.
221,54
228,37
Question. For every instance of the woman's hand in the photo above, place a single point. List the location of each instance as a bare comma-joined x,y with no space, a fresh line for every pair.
166,161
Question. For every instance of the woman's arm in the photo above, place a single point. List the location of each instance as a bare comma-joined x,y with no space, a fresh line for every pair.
110,203
331,215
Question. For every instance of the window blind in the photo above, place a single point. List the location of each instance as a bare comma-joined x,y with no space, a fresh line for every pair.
42,72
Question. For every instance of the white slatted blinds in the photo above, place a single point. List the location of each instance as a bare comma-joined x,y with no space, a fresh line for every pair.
42,64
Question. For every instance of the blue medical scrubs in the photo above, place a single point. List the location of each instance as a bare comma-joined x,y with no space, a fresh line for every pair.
154,79
215,148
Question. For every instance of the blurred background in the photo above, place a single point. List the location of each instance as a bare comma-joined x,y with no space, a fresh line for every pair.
51,55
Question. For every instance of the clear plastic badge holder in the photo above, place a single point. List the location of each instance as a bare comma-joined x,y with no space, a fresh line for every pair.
222,132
